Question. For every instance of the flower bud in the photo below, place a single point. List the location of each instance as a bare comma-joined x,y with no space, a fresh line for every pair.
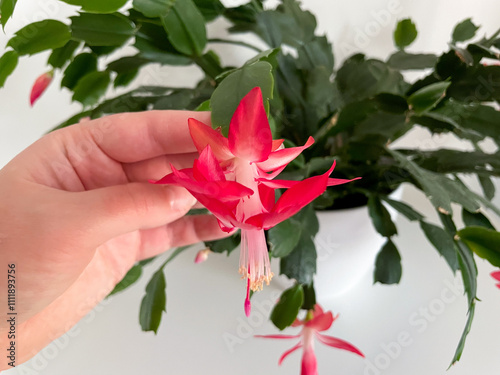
202,256
40,86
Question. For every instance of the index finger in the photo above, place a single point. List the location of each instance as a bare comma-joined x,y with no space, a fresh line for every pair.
132,137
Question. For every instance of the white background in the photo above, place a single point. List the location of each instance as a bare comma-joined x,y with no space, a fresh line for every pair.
205,301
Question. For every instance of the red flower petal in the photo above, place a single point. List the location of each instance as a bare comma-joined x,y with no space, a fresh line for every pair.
207,168
277,336
338,343
204,135
225,227
309,363
267,197
292,201
277,144
278,184
318,310
340,181
297,323
249,132
321,322
269,176
224,191
282,157
496,275
223,211
288,352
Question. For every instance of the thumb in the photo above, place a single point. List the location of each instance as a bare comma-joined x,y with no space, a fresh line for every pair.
112,211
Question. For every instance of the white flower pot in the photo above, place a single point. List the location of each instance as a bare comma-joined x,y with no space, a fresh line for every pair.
347,245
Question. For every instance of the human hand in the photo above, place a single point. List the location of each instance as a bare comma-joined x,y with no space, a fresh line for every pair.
78,212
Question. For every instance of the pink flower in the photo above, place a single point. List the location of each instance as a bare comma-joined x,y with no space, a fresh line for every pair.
202,256
315,322
234,179
496,276
40,86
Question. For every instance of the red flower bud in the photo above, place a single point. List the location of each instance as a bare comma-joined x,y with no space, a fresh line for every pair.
40,86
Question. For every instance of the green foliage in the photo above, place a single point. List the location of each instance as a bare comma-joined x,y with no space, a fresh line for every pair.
405,33
380,217
82,65
388,265
465,30
484,242
428,97
154,303
101,29
153,8
130,278
91,87
60,56
227,245
402,60
300,263
476,219
286,310
284,237
185,27
40,36
443,243
98,6
235,86
6,10
8,63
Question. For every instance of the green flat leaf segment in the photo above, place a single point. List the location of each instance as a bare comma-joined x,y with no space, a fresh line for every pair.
286,310
130,278
235,86
380,217
465,30
388,268
101,29
153,8
82,65
8,63
436,193
185,28
91,88
405,33
428,97
6,10
484,242
443,243
284,237
154,303
98,6
40,36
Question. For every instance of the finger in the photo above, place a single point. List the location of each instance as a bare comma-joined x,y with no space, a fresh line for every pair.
184,231
156,168
116,210
131,137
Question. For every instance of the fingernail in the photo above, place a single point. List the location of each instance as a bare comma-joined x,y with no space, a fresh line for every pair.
183,201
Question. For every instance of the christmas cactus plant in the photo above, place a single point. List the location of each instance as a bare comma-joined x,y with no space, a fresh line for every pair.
319,116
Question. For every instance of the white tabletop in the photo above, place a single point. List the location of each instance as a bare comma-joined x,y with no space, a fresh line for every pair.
412,328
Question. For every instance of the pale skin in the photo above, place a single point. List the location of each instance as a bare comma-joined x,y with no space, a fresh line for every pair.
78,212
